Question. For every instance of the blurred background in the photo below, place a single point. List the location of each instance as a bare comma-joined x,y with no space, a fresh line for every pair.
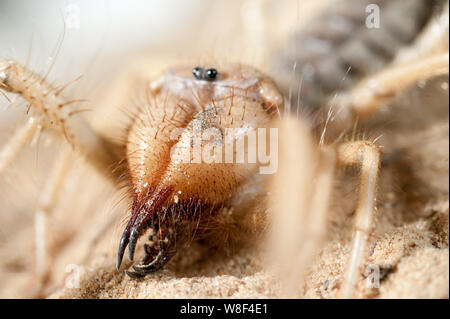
95,31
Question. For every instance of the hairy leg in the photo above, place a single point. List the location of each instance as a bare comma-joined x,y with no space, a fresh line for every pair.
367,155
52,111
379,89
47,200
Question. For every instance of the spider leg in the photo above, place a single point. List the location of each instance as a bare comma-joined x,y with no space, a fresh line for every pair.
47,200
315,228
377,90
17,142
52,110
367,155
301,193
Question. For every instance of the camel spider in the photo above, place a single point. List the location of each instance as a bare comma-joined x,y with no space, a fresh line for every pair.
169,196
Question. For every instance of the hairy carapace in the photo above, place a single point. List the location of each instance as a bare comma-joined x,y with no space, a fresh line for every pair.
176,180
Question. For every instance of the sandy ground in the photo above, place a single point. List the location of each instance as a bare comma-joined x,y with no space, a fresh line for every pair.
410,244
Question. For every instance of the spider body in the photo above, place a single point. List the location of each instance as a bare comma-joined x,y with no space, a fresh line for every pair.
187,117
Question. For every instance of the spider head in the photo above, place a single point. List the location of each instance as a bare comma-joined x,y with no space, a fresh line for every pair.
177,155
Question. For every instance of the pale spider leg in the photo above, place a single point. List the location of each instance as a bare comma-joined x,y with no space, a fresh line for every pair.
54,111
289,201
367,155
368,96
17,142
316,221
299,209
47,200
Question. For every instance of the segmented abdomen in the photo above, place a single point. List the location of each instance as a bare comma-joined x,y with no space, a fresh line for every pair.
338,48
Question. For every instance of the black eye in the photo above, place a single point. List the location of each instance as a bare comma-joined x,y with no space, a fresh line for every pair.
205,75
198,73
211,74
